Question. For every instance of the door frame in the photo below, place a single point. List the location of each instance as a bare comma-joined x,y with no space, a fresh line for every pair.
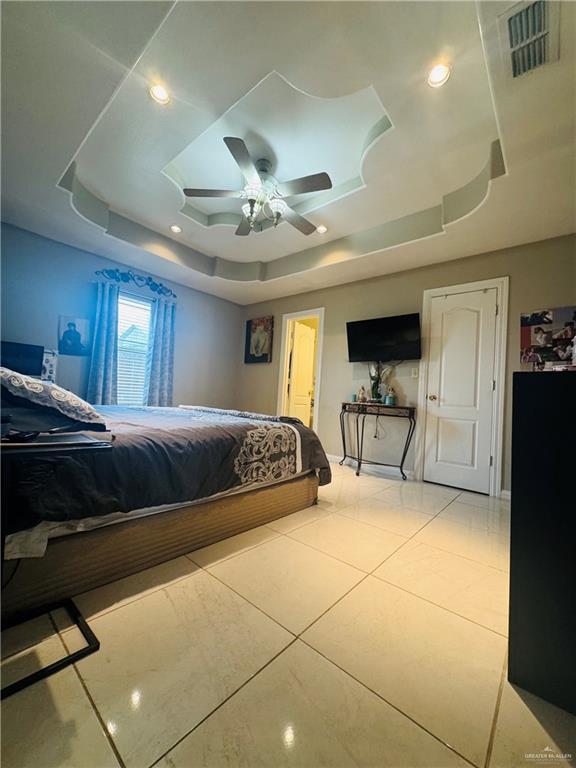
284,358
501,284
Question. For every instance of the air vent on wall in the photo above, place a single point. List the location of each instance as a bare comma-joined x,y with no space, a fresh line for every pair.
529,33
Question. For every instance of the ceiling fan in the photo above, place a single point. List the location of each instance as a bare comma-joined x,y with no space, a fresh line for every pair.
264,194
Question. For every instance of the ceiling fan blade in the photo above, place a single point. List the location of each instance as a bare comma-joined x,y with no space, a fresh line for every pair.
243,227
301,224
313,183
211,193
239,152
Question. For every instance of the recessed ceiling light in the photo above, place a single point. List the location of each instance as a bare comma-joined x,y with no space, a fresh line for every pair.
438,75
321,229
159,94
176,229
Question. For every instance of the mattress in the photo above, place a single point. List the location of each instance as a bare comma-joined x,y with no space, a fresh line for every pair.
161,458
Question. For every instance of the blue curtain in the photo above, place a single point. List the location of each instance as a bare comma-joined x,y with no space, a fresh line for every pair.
104,362
160,373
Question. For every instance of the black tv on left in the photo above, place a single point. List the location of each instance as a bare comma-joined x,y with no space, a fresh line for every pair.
23,358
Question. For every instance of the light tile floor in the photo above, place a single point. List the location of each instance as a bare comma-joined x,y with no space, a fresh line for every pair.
369,630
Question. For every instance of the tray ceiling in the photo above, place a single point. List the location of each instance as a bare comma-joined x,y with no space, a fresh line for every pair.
336,87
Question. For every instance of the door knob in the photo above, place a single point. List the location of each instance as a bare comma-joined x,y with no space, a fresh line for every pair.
432,397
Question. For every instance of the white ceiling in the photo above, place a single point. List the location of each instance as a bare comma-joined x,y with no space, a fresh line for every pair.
75,81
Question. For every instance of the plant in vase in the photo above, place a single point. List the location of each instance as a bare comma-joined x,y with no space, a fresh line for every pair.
379,376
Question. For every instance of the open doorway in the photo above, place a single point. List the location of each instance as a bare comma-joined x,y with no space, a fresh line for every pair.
300,363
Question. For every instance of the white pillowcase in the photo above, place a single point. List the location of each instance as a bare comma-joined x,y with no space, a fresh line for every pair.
50,395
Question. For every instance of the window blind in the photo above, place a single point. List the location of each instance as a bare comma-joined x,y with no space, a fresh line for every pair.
133,344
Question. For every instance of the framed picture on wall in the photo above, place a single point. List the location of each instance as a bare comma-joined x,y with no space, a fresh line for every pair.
258,348
547,337
73,336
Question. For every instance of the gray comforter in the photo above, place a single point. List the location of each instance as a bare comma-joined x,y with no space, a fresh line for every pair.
164,456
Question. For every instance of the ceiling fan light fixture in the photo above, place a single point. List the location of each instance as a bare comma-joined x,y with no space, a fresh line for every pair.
175,228
252,192
438,75
159,93
321,229
251,209
278,208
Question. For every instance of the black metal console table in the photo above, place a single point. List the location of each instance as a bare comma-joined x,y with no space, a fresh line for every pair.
375,409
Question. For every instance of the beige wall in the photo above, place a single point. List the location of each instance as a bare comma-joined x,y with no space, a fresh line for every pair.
42,279
541,275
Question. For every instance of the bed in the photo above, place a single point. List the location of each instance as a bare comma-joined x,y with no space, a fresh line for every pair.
174,480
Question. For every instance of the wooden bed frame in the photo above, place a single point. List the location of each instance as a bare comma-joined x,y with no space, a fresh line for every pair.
82,561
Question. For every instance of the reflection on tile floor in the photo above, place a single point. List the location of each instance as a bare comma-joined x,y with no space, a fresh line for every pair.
366,631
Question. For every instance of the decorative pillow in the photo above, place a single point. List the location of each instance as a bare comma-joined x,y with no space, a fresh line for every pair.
47,395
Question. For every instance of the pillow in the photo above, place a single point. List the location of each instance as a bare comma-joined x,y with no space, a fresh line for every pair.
31,401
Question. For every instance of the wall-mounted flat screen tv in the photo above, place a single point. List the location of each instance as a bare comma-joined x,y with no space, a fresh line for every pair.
384,339
23,358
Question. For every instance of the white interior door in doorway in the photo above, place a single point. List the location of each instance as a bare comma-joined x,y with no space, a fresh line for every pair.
462,364
301,373
301,364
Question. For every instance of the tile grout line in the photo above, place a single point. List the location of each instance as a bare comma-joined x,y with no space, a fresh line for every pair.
389,703
243,685
385,530
91,701
287,534
141,596
437,605
261,610
479,562
497,706
229,557
159,588
369,574
338,559
296,637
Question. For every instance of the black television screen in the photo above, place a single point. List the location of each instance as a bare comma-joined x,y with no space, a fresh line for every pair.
23,358
384,339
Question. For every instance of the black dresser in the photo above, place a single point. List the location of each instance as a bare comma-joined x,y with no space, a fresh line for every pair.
542,639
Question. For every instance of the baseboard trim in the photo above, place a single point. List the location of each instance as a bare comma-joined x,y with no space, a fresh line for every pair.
390,473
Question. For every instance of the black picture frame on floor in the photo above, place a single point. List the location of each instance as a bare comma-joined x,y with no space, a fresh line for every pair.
259,339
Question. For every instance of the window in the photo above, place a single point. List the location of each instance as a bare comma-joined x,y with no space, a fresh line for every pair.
133,344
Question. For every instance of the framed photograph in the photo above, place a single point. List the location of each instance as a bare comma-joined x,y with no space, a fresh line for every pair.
258,348
547,336
74,336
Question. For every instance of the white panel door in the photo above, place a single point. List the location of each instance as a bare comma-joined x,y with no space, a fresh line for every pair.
301,384
460,390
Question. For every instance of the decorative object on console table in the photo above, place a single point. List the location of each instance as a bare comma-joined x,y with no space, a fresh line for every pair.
390,398
542,627
259,334
361,410
379,376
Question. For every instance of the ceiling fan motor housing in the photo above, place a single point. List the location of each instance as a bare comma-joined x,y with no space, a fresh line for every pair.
263,166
